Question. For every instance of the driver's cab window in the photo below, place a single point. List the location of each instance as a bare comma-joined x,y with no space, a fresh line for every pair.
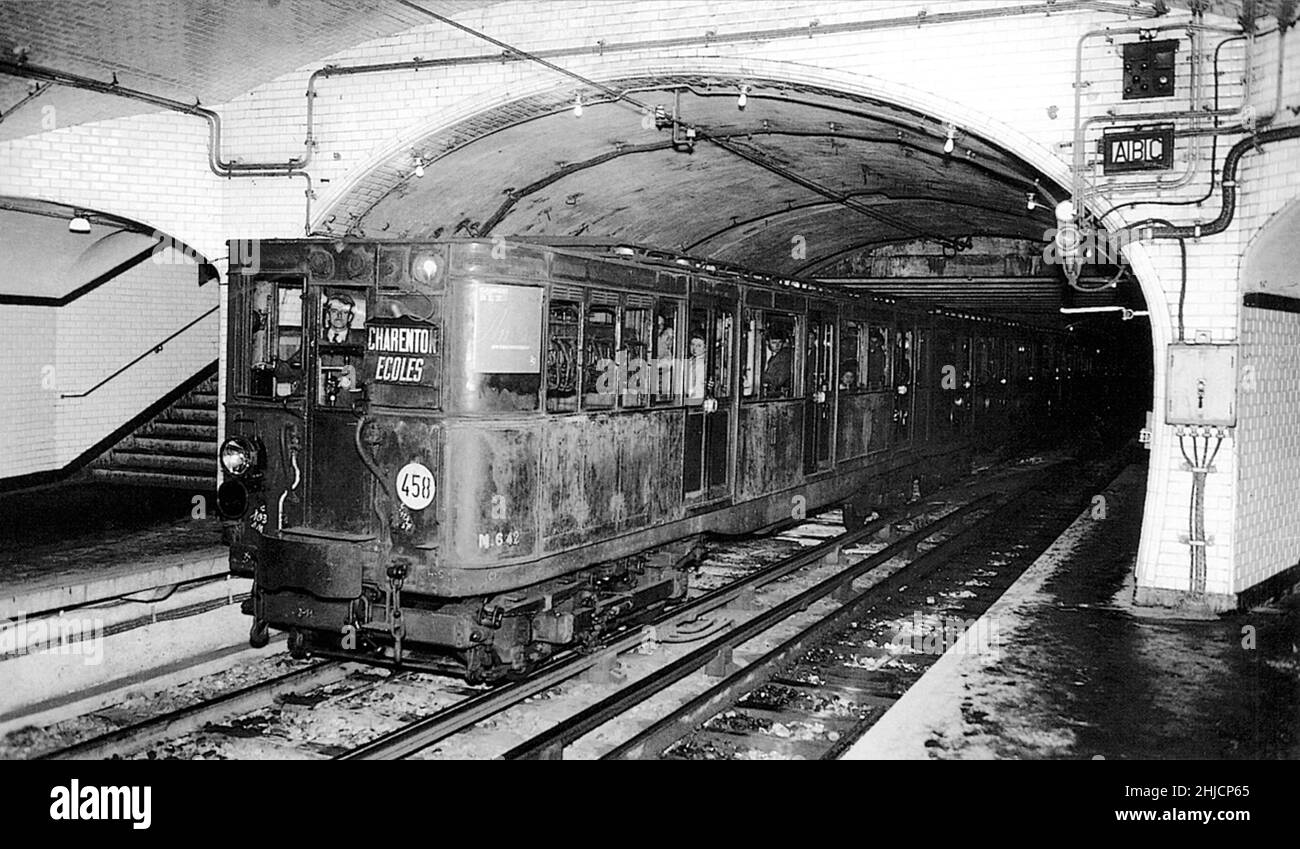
341,346
275,339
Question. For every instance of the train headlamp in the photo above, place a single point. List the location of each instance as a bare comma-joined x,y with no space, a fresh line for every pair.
239,456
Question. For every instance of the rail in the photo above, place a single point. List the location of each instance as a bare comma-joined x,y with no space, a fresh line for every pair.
150,352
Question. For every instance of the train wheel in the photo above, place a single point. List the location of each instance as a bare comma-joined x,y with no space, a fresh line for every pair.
297,644
259,635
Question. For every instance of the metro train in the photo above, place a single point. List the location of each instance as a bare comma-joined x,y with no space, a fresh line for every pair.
467,455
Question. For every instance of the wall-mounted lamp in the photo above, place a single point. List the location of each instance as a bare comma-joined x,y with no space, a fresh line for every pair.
950,142
577,105
1031,201
743,100
79,224
419,168
1125,313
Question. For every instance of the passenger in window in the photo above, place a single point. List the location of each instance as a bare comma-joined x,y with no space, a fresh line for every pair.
665,350
696,379
848,375
876,359
778,373
339,310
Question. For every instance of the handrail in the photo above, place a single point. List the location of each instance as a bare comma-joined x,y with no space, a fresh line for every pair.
154,350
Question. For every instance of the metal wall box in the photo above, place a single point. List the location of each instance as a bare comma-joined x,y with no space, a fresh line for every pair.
1138,149
1149,69
1202,385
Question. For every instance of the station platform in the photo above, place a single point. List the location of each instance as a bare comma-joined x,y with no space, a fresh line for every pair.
1079,672
100,586
76,544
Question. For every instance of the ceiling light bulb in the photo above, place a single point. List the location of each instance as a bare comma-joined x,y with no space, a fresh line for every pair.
79,224
950,142
419,169
1031,201
744,97
577,106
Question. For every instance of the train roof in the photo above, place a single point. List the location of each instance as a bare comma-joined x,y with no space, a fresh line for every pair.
621,252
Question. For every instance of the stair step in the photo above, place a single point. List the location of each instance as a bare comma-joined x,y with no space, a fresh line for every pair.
202,400
180,430
181,447
183,414
132,460
158,479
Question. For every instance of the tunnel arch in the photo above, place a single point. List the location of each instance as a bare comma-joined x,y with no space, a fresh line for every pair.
376,176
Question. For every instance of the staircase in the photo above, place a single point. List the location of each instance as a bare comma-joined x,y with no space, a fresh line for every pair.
177,449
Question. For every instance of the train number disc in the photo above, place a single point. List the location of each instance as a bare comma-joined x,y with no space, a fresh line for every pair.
415,486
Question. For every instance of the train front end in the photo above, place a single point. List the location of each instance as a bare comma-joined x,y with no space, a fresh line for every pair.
333,457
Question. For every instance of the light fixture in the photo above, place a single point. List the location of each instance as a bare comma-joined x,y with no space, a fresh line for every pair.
744,97
419,168
950,142
79,223
1031,201
577,105
1125,313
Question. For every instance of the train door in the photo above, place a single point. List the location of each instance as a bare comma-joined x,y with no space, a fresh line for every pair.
335,330
709,397
819,353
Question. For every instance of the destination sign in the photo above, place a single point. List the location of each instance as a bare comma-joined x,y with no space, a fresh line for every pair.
1142,149
402,354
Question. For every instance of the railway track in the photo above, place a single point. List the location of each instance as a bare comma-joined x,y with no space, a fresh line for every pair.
225,711
719,620
812,695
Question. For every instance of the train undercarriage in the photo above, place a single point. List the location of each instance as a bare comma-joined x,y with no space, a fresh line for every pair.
486,638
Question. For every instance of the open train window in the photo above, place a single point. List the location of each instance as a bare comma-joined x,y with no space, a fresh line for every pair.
853,353
666,374
341,346
274,337
877,373
777,376
633,355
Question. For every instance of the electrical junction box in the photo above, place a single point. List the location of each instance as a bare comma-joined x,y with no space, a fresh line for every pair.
1201,388
1149,69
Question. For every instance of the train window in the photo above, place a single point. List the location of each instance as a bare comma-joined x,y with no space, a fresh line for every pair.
751,346
779,335
665,353
853,344
275,339
877,358
723,328
920,359
599,345
697,358
504,364
342,344
903,357
634,352
562,356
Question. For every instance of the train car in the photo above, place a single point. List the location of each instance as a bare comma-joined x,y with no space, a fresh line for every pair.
467,455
